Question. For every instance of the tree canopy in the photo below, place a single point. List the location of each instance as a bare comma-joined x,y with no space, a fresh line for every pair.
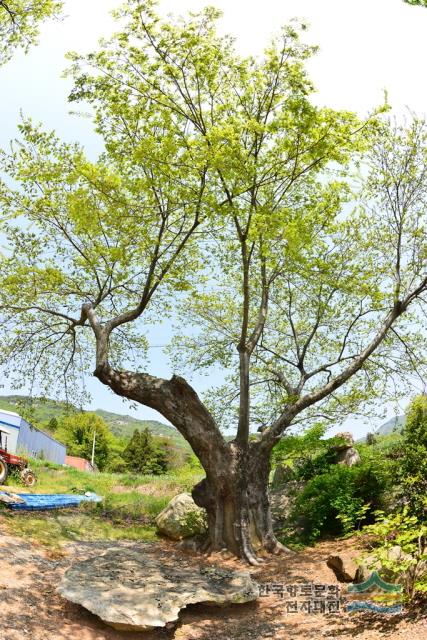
420,3
77,431
412,457
224,197
143,455
19,23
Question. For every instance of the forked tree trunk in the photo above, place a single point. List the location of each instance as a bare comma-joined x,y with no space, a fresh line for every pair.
235,496
235,490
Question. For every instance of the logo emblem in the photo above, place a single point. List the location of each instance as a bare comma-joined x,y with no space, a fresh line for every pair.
374,582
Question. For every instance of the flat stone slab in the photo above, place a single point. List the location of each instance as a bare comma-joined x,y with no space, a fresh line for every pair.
138,590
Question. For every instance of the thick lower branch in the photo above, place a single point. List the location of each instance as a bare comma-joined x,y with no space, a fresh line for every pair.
174,399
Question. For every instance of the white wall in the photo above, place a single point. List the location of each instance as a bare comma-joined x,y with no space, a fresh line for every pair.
11,422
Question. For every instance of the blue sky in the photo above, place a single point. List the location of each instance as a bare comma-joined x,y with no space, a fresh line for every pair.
365,47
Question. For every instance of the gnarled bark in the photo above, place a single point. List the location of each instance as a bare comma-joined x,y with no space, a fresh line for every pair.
237,503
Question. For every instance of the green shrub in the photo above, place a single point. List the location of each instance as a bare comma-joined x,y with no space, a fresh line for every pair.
411,457
308,454
407,532
338,500
310,467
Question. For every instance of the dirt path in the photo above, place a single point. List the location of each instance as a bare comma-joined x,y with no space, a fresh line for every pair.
31,609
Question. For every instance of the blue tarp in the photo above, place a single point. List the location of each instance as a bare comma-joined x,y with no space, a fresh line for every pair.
40,502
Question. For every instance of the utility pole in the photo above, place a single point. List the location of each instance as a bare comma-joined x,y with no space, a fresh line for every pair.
93,450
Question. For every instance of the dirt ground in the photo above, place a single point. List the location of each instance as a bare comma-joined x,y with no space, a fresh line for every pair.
31,609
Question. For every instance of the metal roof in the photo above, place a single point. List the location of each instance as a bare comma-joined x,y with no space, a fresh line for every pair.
10,413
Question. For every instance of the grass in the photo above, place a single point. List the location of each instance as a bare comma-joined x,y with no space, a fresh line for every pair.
127,512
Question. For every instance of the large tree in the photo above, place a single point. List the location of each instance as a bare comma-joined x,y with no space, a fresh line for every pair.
19,23
224,201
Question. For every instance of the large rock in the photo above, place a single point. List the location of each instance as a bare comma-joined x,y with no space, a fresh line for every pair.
138,590
182,518
346,453
345,568
347,440
349,457
282,502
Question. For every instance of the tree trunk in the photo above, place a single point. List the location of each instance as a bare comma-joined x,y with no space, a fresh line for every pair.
235,496
235,490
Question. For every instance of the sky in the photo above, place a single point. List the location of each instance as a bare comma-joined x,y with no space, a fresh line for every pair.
366,47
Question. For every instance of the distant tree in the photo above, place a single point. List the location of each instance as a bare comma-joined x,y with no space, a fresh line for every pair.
76,432
116,463
19,23
160,460
371,438
144,455
420,3
176,456
415,429
132,453
52,424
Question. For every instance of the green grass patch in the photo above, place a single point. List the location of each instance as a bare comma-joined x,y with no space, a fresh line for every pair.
54,528
127,512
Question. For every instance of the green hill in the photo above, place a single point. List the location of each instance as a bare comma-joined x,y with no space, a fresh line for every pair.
122,426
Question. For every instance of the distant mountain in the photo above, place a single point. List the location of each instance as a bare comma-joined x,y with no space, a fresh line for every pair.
394,424
122,426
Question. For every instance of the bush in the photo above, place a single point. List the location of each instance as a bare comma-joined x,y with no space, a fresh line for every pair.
411,470
308,454
310,467
338,500
407,532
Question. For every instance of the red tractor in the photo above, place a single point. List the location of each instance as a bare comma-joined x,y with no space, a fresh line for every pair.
9,462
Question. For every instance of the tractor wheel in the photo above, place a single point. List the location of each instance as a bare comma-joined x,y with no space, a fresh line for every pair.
4,471
28,477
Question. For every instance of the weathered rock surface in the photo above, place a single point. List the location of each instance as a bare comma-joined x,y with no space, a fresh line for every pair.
346,453
347,438
349,457
282,502
134,590
182,518
282,475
